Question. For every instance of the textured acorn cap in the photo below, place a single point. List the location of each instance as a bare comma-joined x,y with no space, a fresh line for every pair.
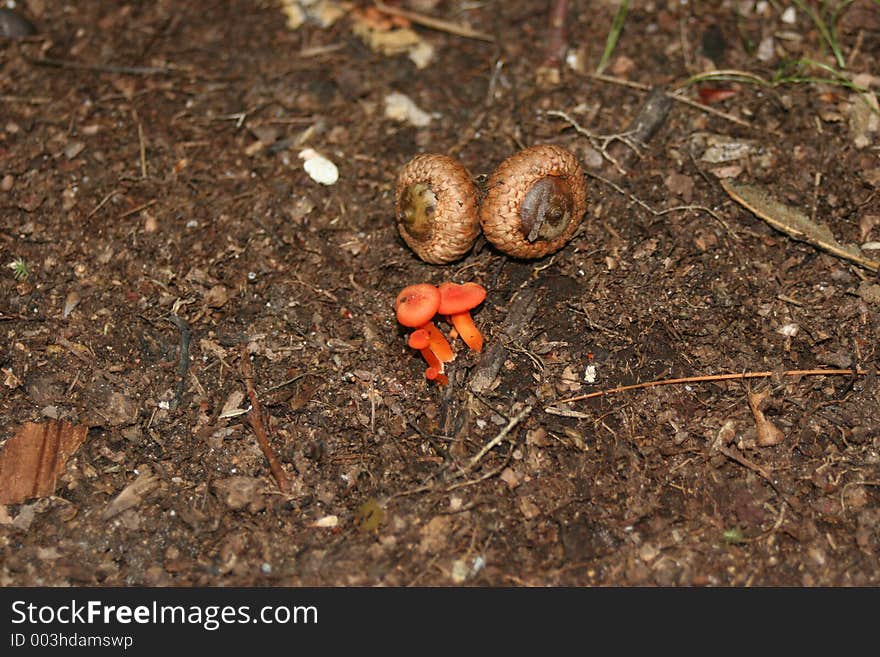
507,189
443,189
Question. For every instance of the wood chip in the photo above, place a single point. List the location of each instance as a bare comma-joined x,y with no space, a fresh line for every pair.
133,494
34,457
768,433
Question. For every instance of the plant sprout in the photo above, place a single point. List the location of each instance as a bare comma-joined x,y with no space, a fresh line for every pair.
20,269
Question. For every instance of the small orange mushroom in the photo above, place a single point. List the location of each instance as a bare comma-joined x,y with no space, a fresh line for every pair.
416,306
456,302
421,339
433,374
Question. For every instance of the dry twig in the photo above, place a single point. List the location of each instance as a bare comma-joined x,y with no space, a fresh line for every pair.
713,377
674,96
434,23
255,417
511,424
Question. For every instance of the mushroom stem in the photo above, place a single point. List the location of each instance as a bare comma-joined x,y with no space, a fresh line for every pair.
433,374
467,330
439,344
420,339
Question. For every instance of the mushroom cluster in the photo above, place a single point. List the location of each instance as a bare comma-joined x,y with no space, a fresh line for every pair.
534,202
416,307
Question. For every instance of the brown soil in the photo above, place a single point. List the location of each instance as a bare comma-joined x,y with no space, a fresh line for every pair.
146,211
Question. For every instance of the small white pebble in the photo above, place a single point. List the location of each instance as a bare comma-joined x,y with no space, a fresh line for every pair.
319,168
788,330
789,16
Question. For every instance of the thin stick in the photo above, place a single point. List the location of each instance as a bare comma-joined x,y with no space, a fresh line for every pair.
556,34
681,99
499,438
103,203
120,70
435,23
710,110
183,365
135,210
255,417
143,147
657,213
35,100
712,377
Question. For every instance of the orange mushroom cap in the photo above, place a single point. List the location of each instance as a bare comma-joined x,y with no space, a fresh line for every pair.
456,301
455,298
419,339
433,374
417,304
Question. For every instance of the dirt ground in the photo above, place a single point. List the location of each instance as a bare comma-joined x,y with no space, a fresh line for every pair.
156,223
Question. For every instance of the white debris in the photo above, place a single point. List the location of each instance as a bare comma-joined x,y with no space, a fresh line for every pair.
766,49
400,107
326,521
421,54
788,330
720,149
590,374
789,16
322,12
319,168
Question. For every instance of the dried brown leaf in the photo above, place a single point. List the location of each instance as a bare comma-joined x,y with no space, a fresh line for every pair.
794,223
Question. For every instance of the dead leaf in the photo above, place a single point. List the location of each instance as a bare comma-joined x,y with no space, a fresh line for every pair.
71,301
133,494
864,121
794,223
10,380
680,185
241,492
216,296
768,433
232,406
869,292
34,457
867,224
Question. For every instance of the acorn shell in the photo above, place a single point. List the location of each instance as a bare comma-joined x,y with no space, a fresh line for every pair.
508,188
445,185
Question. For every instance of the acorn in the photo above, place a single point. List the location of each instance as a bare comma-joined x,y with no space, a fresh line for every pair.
437,212
534,202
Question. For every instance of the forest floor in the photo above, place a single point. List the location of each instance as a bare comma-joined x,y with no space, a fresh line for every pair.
163,248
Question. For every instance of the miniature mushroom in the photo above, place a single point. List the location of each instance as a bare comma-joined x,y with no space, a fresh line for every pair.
415,307
437,208
421,340
535,200
456,302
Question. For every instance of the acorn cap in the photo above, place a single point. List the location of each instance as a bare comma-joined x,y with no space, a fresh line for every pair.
523,184
437,208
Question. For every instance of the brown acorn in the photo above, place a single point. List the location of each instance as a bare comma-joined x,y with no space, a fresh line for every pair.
534,202
437,208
